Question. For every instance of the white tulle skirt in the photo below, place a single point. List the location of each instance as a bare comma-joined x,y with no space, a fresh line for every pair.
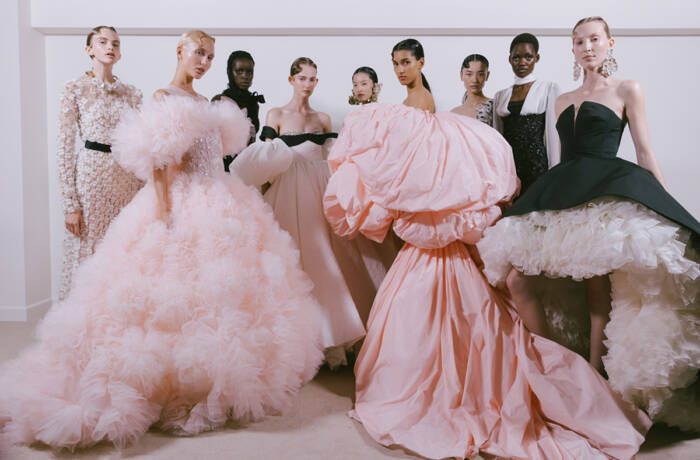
653,337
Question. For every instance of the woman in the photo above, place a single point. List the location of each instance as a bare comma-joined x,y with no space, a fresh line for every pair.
525,113
474,74
240,68
293,159
365,86
193,310
446,370
611,223
93,187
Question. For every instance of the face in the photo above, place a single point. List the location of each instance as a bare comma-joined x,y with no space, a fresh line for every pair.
406,67
105,47
305,81
242,72
362,86
591,45
475,77
196,58
523,59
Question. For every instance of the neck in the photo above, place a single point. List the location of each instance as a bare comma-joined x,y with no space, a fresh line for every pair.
529,78
415,86
299,103
593,80
183,81
102,72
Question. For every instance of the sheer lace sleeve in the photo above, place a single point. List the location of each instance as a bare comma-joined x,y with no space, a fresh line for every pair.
67,153
135,97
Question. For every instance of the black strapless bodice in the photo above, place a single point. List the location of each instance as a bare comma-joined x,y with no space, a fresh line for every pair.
596,131
590,169
268,132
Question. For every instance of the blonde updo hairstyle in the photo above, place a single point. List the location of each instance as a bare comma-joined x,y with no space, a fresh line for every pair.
194,36
593,19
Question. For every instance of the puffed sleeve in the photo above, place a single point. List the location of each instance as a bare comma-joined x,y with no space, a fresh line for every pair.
68,126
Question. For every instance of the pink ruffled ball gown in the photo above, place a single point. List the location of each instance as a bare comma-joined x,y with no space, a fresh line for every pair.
447,368
183,324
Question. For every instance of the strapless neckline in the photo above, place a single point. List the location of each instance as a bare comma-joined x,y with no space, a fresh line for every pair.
577,111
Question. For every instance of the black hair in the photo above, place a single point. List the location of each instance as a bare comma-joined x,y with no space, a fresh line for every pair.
369,71
416,49
525,38
475,58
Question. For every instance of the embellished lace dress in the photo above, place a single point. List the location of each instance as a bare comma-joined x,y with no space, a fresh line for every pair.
89,179
181,324
596,214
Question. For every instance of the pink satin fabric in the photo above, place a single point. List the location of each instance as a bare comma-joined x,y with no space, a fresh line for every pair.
447,369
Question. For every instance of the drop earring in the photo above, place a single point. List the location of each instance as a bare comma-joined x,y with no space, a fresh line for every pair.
609,66
577,71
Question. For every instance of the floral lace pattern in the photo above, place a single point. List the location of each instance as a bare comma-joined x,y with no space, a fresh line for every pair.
91,181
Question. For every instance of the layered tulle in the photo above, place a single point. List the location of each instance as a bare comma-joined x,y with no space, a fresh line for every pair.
162,131
446,370
182,325
653,336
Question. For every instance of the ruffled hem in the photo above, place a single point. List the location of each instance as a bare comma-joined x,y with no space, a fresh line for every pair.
653,336
180,326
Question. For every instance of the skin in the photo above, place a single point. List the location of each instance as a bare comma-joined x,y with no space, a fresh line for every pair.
362,86
522,60
626,99
243,71
297,116
193,61
474,78
408,70
104,51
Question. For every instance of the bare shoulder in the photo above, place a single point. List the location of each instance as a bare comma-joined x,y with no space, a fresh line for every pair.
273,116
630,91
564,100
325,120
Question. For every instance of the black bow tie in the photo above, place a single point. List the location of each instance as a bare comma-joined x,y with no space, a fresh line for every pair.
257,97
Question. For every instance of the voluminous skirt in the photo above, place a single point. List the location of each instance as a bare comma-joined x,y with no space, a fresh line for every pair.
181,325
447,369
345,273
653,337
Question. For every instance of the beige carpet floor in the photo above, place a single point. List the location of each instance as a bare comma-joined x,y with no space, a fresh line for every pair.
316,427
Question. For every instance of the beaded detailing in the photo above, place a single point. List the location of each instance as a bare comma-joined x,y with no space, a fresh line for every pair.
91,181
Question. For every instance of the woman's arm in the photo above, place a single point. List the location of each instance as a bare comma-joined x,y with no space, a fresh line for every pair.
325,122
551,136
635,111
67,160
273,119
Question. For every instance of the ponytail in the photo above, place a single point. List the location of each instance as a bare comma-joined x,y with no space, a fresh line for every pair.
425,82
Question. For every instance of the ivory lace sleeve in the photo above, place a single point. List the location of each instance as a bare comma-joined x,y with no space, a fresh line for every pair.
68,119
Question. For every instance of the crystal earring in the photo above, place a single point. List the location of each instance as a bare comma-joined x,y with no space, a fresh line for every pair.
577,71
609,66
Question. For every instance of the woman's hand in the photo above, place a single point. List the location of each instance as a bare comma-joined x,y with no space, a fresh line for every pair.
74,222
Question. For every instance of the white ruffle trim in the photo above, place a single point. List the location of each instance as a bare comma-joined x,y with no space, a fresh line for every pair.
653,336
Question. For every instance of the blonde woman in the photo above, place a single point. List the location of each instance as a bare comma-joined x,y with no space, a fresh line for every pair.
193,311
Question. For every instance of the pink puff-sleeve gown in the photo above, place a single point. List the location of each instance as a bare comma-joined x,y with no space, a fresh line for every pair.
447,369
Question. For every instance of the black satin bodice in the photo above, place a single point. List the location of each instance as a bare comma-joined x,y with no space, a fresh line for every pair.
291,140
595,131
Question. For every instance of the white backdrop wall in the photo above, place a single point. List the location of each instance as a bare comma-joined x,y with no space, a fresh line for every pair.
657,52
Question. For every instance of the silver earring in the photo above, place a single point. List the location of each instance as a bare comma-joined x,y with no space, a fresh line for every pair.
609,66
577,71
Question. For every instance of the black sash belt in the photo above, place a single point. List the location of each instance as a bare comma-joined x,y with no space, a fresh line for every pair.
97,146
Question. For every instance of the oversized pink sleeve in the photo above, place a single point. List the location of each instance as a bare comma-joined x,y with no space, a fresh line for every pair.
439,177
